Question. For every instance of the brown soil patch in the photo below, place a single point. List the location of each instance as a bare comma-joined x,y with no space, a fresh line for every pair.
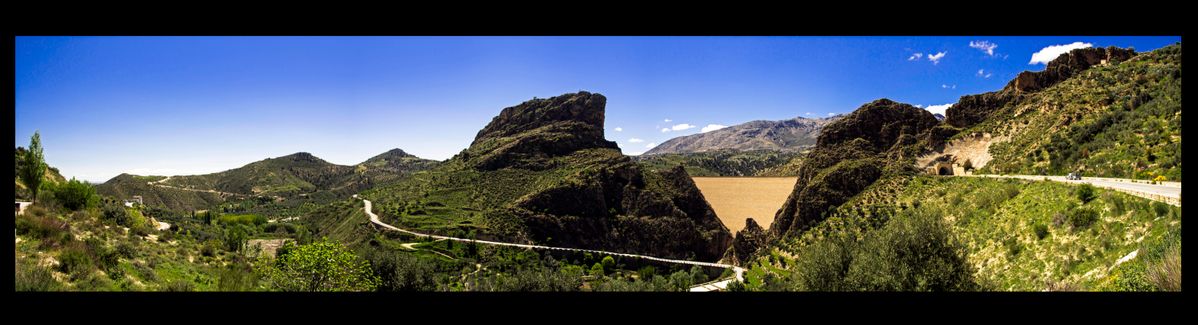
737,198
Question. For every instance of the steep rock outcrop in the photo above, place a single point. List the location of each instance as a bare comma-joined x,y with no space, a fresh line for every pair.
973,109
527,135
850,155
748,241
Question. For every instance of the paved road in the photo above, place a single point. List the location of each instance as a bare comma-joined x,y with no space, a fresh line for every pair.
1168,192
716,285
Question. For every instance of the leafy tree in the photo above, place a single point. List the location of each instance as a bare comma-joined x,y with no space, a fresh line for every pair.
320,266
609,264
235,238
77,195
597,270
33,170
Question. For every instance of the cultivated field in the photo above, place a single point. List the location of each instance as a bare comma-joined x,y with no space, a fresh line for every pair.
737,198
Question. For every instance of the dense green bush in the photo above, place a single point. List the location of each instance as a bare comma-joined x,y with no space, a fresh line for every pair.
1085,193
319,266
76,195
1082,217
914,251
403,272
76,260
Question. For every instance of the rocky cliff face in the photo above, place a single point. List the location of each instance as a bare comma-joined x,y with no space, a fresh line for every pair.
787,135
748,241
528,135
973,109
541,172
850,155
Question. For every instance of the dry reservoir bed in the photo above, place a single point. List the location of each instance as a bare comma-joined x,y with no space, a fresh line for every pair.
737,198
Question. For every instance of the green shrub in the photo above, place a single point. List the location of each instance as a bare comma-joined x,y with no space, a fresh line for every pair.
50,229
30,277
609,264
1160,208
1041,230
76,195
1082,217
916,252
1013,246
179,286
403,272
1085,193
320,266
210,248
75,259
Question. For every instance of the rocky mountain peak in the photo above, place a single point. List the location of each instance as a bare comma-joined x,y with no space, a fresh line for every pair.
583,107
881,122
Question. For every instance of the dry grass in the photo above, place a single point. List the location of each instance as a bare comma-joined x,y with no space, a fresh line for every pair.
1166,273
737,198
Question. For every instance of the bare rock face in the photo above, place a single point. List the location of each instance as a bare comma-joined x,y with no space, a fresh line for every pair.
974,109
748,241
1067,65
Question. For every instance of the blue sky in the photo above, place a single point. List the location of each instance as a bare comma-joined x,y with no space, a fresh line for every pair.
192,105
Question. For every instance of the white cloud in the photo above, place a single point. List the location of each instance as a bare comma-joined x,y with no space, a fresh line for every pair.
650,145
619,129
982,73
938,109
946,86
918,105
669,120
712,127
808,114
984,46
831,114
915,56
635,140
1052,52
935,58
664,130
681,127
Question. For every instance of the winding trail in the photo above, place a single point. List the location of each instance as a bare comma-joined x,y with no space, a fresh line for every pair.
1167,192
711,286
158,183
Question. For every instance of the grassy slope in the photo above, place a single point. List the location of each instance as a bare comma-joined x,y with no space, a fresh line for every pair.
995,219
1119,120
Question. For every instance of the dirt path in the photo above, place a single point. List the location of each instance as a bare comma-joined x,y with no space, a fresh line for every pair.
739,271
158,183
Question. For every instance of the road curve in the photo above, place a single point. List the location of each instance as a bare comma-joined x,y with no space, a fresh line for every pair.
1168,192
704,287
158,183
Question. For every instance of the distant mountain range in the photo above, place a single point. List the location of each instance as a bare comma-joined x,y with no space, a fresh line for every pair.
786,135
296,175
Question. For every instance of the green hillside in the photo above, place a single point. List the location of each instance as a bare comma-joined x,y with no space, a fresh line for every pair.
1118,120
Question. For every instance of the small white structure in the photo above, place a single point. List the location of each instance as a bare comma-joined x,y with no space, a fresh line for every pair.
21,205
135,199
